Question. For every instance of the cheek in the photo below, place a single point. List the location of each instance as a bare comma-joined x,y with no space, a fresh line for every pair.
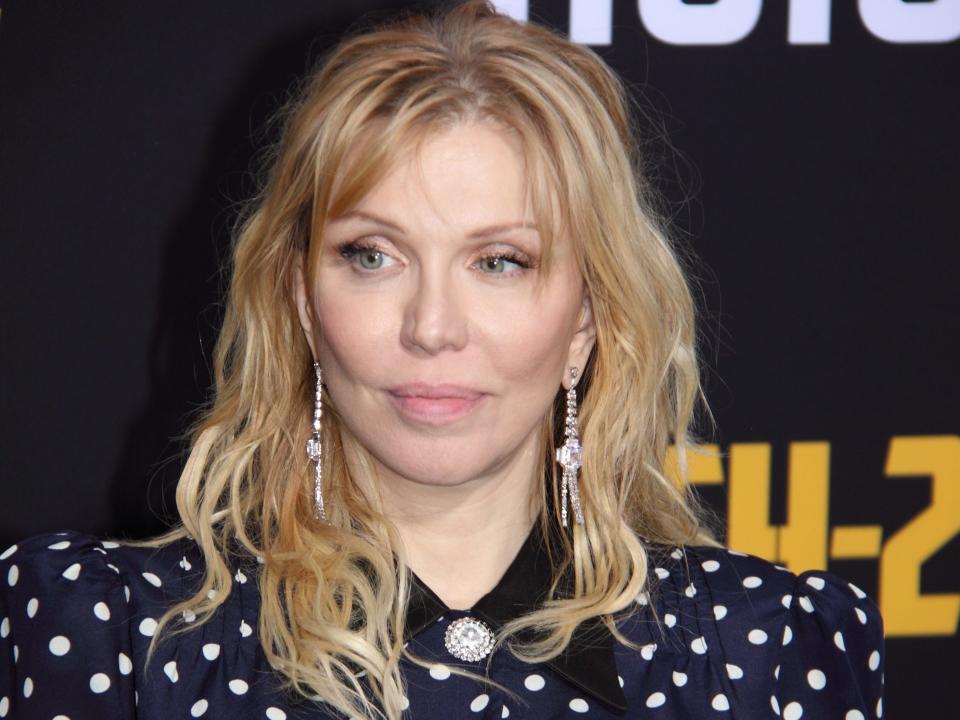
529,341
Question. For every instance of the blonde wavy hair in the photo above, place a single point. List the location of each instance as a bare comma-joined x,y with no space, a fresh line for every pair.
334,594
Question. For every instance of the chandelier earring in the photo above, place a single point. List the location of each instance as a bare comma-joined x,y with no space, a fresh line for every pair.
315,448
570,456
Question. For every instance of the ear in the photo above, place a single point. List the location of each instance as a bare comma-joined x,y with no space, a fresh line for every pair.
582,343
302,302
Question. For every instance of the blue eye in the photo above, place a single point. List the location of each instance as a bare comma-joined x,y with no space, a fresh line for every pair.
497,264
367,257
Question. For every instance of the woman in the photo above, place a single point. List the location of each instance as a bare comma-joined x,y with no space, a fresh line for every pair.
453,288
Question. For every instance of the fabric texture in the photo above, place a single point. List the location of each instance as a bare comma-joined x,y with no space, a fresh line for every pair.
738,637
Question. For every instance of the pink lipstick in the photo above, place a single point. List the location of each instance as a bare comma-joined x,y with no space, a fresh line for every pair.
434,404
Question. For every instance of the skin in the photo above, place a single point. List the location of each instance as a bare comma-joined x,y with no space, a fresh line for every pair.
429,300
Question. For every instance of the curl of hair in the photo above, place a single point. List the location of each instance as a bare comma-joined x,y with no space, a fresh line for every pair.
334,594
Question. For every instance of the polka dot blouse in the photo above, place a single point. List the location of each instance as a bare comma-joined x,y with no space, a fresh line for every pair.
738,637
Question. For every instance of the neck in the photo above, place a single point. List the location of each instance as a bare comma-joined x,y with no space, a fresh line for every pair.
460,539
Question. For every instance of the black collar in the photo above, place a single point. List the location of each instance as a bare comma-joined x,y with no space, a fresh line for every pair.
588,661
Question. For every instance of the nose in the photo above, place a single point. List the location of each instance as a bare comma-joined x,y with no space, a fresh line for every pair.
433,319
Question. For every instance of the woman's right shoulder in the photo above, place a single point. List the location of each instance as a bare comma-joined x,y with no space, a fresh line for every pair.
66,568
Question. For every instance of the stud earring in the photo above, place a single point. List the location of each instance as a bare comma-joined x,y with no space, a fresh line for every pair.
570,456
315,449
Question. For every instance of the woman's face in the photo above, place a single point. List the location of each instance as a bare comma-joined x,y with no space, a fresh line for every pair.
438,348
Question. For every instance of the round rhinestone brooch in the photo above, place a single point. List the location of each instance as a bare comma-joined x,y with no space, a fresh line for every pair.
468,639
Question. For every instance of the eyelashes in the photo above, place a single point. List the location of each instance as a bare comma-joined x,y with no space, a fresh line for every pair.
368,257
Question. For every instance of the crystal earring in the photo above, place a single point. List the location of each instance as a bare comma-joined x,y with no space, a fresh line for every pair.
315,449
570,456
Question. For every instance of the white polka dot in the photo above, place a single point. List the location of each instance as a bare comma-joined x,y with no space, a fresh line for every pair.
776,671
101,611
857,591
805,603
774,704
99,683
720,702
861,616
212,594
656,700
676,553
690,590
647,651
679,678
199,708
110,545
670,619
757,636
275,713
579,705
786,601
787,634
28,687
404,702
620,680
59,645
7,553
792,711
170,670
238,686
816,582
123,662
126,592
16,656
662,573
816,679
32,607
211,651
72,572
5,701
734,672
439,672
152,579
880,708
4,627
13,574
114,568
854,715
479,702
148,626
719,611
245,630
505,712
534,683
642,598
240,577
752,582
189,616
838,640
62,545
873,662
699,645
710,565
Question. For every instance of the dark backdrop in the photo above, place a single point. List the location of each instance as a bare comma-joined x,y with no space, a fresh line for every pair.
808,151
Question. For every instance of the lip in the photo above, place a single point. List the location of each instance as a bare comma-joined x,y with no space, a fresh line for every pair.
434,403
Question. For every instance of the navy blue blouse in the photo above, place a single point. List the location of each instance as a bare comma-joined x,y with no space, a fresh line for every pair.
740,638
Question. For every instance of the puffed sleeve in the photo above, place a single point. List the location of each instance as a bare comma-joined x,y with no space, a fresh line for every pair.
831,662
65,647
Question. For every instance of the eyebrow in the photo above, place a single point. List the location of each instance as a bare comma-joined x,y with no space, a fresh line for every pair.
483,232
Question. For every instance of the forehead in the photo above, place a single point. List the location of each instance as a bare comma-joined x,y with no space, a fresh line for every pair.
458,175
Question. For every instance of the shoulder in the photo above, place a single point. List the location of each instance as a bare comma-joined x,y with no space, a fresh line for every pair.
751,584
67,561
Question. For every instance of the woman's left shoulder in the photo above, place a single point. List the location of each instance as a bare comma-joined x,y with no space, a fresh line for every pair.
819,636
